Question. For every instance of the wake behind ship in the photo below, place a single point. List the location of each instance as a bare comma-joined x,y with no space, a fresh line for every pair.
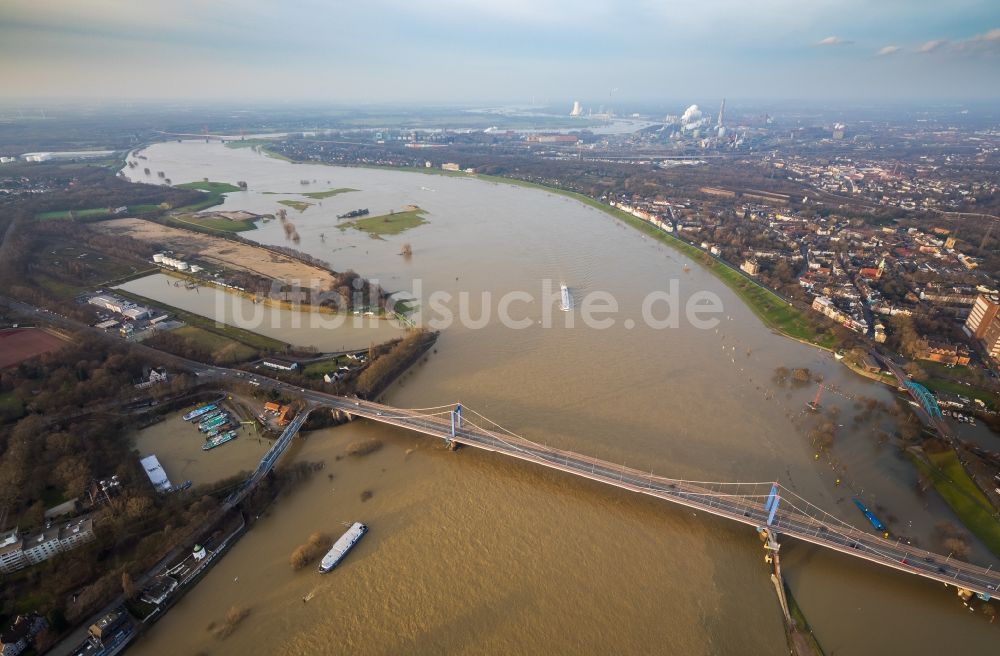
343,545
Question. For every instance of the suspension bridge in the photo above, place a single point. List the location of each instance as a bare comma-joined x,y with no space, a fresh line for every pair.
761,505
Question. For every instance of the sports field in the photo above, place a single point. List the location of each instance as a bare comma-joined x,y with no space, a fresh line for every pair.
19,344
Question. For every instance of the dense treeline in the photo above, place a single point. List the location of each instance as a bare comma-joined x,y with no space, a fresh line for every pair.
381,371
72,431
60,444
87,186
43,263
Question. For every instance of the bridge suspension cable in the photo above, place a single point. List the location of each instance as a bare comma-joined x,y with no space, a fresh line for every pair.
670,480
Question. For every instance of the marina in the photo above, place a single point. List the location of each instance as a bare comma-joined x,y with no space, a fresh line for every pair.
181,455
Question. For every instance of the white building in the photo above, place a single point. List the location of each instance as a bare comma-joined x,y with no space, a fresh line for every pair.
11,552
120,306
19,551
42,546
281,365
157,375
135,312
109,303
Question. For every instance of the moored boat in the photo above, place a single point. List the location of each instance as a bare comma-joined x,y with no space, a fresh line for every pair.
879,526
218,440
206,426
198,412
343,545
567,299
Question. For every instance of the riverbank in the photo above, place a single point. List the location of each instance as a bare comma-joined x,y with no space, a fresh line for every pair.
775,312
644,382
948,476
266,301
230,253
247,338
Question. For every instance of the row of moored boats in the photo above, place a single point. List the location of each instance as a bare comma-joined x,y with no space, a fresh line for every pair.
215,423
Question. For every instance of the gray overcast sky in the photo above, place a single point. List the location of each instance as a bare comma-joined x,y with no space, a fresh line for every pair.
468,51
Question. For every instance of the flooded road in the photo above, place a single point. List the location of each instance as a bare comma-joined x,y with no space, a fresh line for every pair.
471,553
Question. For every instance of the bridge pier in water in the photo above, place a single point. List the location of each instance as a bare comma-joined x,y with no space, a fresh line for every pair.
456,423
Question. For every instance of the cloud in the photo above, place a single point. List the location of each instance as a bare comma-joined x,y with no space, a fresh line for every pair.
985,43
832,41
931,46
888,50
992,35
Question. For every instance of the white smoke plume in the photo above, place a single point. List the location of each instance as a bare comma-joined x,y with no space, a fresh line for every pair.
691,114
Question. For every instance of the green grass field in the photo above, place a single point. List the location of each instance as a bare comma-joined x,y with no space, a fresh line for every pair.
962,495
94,212
220,224
955,387
317,369
143,209
387,224
319,195
210,187
214,194
246,143
263,143
65,214
222,348
59,288
299,205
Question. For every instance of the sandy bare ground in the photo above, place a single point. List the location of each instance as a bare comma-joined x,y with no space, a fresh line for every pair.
229,254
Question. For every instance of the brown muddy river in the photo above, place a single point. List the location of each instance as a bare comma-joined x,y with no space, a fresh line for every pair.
469,552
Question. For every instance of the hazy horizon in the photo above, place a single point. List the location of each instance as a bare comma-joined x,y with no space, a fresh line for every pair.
549,52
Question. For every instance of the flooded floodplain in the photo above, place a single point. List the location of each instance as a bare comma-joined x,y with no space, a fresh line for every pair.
472,553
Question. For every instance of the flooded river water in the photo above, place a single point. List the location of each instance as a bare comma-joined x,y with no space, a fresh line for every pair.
472,553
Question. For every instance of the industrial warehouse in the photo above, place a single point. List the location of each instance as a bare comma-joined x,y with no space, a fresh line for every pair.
130,319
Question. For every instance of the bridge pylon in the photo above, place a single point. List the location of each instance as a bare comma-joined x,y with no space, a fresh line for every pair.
771,505
456,419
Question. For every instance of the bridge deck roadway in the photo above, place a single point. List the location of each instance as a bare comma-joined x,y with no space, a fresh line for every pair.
823,531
